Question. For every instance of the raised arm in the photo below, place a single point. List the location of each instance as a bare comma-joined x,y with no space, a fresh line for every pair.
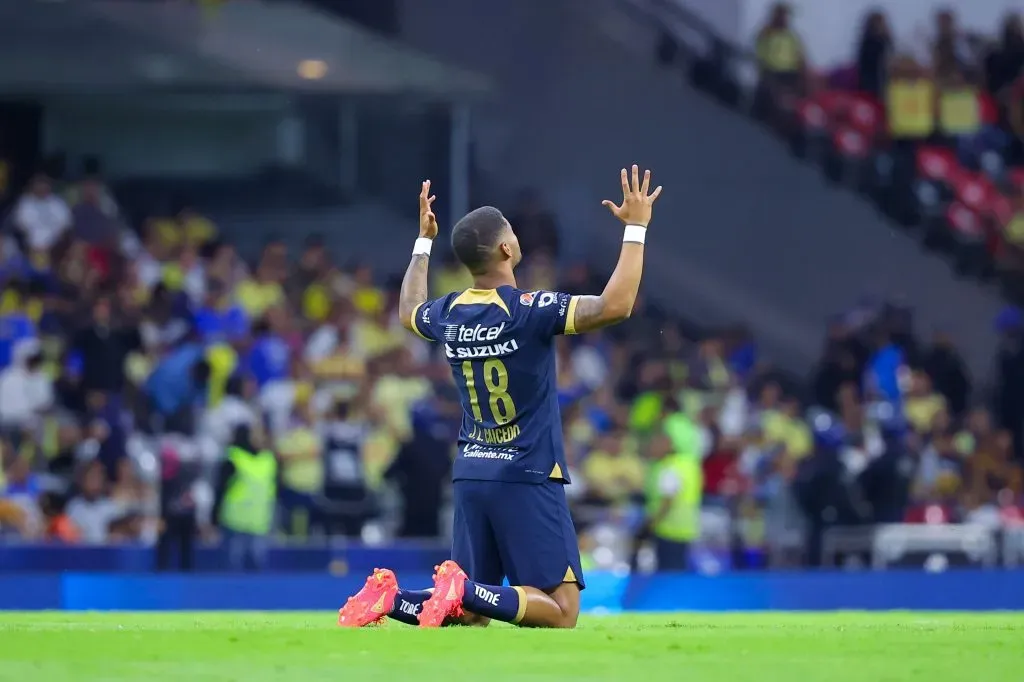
414,284
615,303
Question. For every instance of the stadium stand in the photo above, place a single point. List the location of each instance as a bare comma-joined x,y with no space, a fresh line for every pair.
144,319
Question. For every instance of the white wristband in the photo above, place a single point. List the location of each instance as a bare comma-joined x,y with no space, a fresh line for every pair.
635,233
422,246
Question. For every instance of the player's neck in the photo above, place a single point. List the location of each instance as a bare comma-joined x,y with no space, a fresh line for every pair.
493,280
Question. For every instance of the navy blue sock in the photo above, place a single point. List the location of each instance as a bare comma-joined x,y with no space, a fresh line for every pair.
507,604
407,605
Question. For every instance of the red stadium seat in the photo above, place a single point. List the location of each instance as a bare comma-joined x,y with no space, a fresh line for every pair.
851,143
1001,209
988,109
835,103
965,223
932,514
1017,177
937,163
866,115
812,115
974,190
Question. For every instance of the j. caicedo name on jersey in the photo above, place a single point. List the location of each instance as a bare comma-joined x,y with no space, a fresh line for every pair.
459,334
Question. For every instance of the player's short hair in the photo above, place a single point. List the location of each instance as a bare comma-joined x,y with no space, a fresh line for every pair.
475,236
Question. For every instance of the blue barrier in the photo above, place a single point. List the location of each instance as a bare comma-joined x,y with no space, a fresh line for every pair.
967,590
140,559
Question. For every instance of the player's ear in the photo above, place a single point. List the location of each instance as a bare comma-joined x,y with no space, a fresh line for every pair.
507,252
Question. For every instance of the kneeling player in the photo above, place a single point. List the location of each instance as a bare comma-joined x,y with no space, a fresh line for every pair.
511,515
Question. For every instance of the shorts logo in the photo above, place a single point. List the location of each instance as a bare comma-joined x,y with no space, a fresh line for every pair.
546,299
451,332
526,299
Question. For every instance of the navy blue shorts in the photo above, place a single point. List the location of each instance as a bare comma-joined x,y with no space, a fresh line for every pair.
519,531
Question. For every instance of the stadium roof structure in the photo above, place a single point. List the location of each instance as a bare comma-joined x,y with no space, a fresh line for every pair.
122,46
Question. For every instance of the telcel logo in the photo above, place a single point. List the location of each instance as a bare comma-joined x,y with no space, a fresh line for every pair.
480,333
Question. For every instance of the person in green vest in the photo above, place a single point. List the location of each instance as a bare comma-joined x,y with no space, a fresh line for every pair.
245,501
675,484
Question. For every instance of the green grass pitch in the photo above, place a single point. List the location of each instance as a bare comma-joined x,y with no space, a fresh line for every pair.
307,647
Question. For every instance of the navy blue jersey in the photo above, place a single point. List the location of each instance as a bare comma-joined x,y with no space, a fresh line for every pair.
500,345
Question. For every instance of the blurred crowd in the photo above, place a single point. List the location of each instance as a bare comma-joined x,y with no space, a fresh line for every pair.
131,362
134,356
137,355
929,127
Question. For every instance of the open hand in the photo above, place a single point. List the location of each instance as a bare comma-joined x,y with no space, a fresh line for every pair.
428,223
636,202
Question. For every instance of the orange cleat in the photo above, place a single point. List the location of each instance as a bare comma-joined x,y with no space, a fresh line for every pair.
372,603
446,600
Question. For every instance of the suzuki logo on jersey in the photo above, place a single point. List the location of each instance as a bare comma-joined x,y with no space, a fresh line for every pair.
479,333
486,595
492,351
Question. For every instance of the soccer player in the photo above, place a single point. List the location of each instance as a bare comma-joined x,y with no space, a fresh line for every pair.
511,516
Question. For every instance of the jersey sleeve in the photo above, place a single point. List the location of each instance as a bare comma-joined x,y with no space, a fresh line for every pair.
553,312
426,319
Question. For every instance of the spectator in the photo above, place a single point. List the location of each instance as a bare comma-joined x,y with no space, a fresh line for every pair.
59,527
163,327
187,274
346,433
780,60
92,180
423,463
218,319
176,387
331,338
1005,60
220,421
313,265
244,500
258,294
41,219
953,54
302,473
224,265
1009,389
673,504
92,511
178,508
131,493
15,321
922,405
26,392
786,430
103,346
947,370
196,229
993,469
270,357
94,214
873,53
22,495
613,471
398,389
